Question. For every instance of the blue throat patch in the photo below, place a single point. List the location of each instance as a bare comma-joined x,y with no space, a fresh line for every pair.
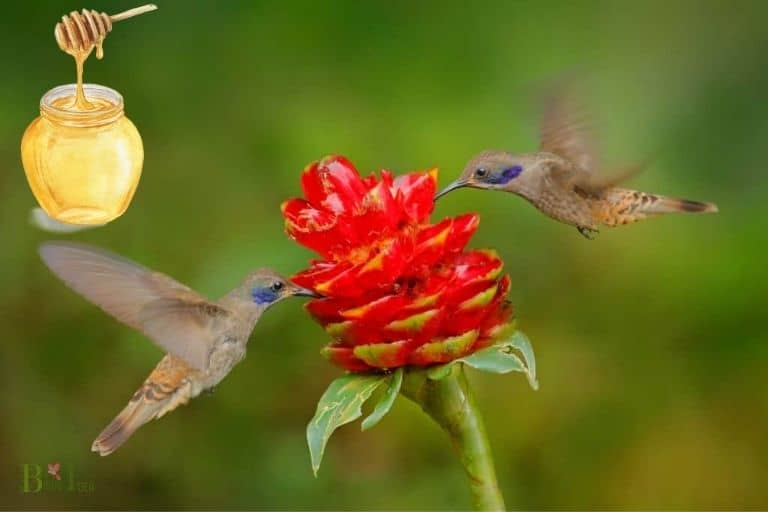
263,295
506,175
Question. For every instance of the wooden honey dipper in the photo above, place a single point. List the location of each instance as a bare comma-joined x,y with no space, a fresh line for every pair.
79,32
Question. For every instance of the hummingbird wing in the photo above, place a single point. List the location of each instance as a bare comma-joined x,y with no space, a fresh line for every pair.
176,318
564,129
591,184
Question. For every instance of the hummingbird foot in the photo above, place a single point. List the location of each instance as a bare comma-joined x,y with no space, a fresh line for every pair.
587,233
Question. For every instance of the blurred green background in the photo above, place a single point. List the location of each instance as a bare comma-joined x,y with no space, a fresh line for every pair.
650,340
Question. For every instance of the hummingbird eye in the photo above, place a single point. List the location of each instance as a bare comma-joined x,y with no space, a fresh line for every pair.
481,172
277,286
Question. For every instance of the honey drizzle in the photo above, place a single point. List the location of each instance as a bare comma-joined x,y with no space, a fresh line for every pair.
80,102
80,32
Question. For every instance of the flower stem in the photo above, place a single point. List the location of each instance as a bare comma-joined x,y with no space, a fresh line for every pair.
450,403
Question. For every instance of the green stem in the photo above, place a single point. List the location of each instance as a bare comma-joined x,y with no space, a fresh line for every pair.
450,403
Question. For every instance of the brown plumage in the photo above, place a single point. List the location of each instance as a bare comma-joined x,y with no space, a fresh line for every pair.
562,178
203,339
622,206
168,386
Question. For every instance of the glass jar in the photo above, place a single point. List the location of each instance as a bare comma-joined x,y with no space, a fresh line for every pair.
83,165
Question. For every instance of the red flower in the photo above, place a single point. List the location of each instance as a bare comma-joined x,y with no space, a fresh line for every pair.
397,289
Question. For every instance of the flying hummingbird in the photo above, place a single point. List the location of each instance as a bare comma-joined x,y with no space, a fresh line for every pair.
562,179
203,339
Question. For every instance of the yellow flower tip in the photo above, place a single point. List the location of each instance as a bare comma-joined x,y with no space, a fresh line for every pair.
358,312
491,253
373,199
375,263
493,274
480,300
326,352
379,355
322,288
443,236
447,349
413,322
440,238
337,330
327,158
502,331
433,172
424,301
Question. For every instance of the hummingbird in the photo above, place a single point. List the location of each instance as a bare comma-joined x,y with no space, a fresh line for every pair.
203,339
562,181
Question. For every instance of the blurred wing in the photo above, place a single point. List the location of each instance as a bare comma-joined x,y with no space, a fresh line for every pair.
176,318
594,184
565,131
597,183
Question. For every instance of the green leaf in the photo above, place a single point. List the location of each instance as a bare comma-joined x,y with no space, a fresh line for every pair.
440,372
498,358
385,404
495,359
341,403
521,342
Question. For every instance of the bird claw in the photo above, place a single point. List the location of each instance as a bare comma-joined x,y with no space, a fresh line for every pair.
587,233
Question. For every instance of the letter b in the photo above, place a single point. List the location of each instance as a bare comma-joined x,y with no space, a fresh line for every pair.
32,476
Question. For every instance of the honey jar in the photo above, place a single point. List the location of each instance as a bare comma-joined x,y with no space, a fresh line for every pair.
82,164
82,156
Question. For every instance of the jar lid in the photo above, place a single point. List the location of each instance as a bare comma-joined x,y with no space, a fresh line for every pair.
107,103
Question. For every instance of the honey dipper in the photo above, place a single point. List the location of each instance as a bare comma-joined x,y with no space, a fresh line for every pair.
79,32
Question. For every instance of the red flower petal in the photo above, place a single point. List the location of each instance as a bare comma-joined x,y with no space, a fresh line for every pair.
313,186
476,265
344,357
420,327
316,229
384,355
462,230
431,242
390,260
448,236
377,216
319,274
328,310
342,284
416,193
343,186
459,292
379,311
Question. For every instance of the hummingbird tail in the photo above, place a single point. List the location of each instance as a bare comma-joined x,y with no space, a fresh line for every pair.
624,206
136,413
166,388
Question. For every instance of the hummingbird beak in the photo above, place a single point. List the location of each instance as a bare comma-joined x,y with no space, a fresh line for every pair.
453,186
304,292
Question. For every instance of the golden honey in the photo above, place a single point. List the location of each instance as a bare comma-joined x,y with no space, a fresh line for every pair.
82,156
83,160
